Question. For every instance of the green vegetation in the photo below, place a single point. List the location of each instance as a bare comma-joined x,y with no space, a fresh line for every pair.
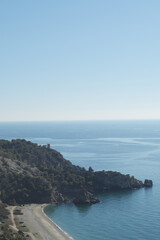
6,233
35,174
30,173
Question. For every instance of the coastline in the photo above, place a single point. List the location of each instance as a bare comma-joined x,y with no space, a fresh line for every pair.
37,224
57,226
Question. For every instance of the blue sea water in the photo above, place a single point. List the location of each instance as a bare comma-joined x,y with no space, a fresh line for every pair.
127,146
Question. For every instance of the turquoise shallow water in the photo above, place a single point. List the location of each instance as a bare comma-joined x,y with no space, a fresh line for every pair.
126,146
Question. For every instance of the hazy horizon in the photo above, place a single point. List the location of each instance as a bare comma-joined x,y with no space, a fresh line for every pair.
83,120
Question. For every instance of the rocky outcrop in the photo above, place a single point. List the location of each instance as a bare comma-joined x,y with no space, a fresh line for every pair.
148,183
104,181
85,197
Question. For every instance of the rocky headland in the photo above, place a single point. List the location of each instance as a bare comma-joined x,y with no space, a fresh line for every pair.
30,173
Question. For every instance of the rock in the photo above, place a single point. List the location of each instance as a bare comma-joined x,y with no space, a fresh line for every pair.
57,197
105,181
148,183
85,197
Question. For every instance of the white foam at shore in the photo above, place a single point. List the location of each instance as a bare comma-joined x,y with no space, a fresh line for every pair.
58,227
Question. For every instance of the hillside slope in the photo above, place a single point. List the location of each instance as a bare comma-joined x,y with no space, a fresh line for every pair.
30,173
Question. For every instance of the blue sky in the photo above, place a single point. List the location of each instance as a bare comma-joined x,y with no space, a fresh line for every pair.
79,60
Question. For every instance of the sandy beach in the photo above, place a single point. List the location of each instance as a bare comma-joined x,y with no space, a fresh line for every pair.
36,224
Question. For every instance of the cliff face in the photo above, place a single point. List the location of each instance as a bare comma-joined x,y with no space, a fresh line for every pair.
37,174
104,181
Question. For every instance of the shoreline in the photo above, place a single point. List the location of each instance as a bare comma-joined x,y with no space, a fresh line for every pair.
57,226
37,224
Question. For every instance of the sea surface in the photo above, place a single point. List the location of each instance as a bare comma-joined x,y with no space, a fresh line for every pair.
126,146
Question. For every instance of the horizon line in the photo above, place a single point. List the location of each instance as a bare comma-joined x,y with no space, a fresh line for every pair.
81,120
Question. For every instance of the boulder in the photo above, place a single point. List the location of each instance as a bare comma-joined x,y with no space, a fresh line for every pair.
85,197
148,183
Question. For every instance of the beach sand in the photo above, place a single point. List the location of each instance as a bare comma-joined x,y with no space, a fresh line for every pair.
36,223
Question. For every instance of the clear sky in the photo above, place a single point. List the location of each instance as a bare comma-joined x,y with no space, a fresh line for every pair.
79,59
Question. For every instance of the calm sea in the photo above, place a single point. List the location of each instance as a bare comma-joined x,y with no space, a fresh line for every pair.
127,146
